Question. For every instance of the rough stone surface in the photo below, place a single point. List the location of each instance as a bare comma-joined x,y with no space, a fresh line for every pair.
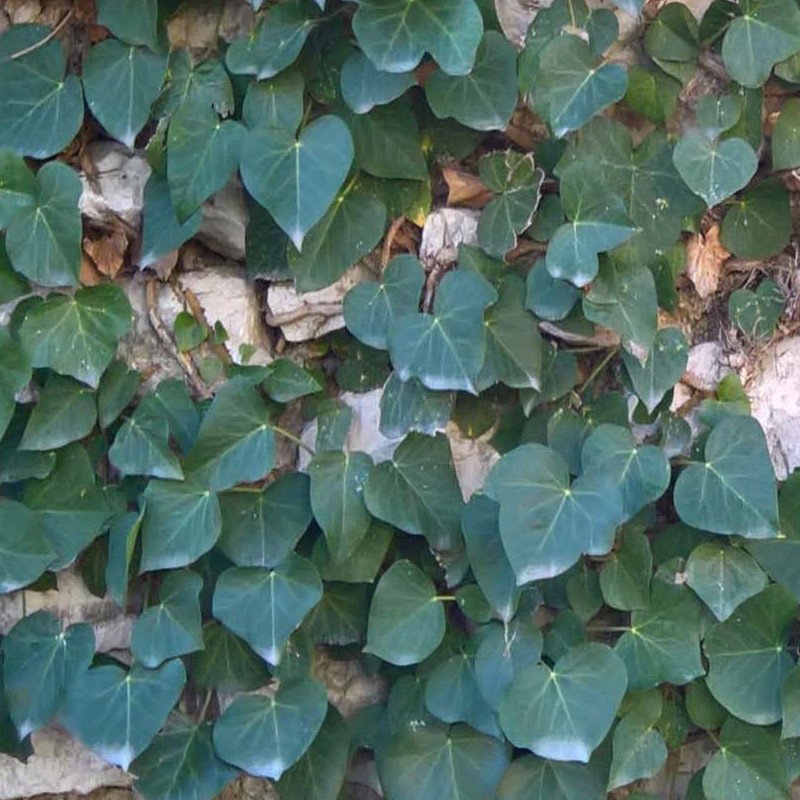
225,222
445,229
472,459
707,366
196,26
349,687
774,392
117,187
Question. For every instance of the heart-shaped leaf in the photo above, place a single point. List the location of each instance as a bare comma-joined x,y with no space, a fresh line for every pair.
748,649
121,83
275,103
639,749
757,313
733,490
396,34
182,521
77,336
117,389
24,550
714,170
15,372
266,735
454,764
370,308
545,522
296,180
18,189
485,98
565,712
406,620
133,21
202,154
172,626
41,108
141,447
625,576
260,528
786,137
759,224
408,406
663,367
363,565
44,237
116,714
532,778
264,606
286,381
445,349
40,664
122,537
181,764
364,86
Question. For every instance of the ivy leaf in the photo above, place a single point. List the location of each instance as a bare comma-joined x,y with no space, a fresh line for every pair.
141,447
565,712
274,45
172,626
266,735
236,442
598,223
733,490
418,492
286,381
44,237
639,751
364,86
202,154
363,565
750,646
203,84
337,498
652,93
665,363
24,550
445,349
121,83
122,537
41,108
757,313
723,577
643,473
545,522
790,698
532,778
18,189
15,373
181,764
625,576
117,389
349,229
485,98
296,180
748,764
759,225
40,664
768,31
370,308
116,714
260,528
571,88
181,522
406,621
396,34
663,643
786,137
714,170
340,618
133,21
77,336
408,406
264,606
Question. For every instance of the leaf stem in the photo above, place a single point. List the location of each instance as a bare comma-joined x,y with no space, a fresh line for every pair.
445,598
42,42
292,438
598,369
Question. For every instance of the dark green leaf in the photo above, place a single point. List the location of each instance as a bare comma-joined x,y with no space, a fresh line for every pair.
759,224
141,447
663,367
364,86
25,552
757,313
226,663
408,406
532,778
66,412
133,21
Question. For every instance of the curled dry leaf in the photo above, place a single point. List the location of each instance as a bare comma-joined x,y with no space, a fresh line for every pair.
107,252
465,189
705,256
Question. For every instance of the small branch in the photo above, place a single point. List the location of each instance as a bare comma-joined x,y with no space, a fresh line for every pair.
386,252
292,438
597,370
42,42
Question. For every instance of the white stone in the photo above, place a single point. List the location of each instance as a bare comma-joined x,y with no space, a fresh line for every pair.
707,366
472,459
303,317
225,222
444,231
117,188
774,392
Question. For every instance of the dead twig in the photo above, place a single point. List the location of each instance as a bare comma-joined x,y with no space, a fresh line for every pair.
189,298
386,252
42,42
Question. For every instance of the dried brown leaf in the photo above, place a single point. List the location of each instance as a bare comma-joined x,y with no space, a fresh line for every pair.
107,252
705,257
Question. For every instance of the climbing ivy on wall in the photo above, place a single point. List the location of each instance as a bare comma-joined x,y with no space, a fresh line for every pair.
622,582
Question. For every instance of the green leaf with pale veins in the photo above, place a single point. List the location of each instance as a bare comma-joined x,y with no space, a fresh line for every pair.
226,663
790,705
564,713
364,86
749,650
337,499
532,778
723,577
786,136
266,735
264,606
665,363
448,764
756,313
445,349
408,406
132,21
485,98
122,537
396,34
43,238
275,103
639,750
733,491
202,154
41,108
261,527
170,627
141,447
204,84
180,764
363,565
182,521
15,372
24,550
121,83
370,308
759,224
116,714
406,620
286,381
625,576
117,389
17,188
572,88
296,180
